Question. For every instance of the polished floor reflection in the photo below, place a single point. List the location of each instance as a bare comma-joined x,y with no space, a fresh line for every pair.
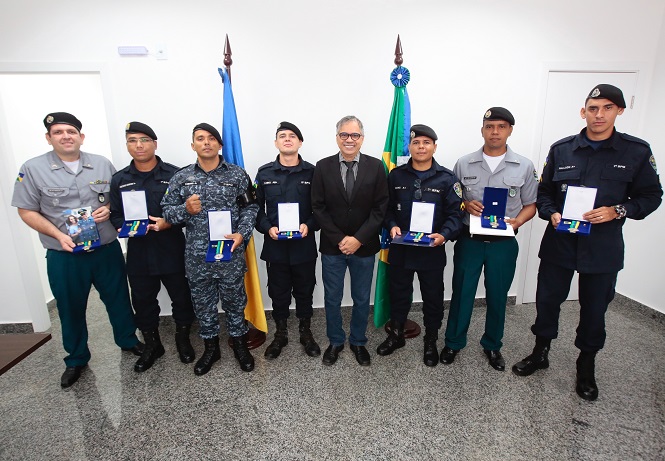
294,408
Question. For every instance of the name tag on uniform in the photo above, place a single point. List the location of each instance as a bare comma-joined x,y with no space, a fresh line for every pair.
135,208
288,221
219,225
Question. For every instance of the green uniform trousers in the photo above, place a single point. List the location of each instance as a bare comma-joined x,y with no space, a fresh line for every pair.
471,255
70,277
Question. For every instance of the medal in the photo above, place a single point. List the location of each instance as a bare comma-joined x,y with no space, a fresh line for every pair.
574,227
133,230
493,222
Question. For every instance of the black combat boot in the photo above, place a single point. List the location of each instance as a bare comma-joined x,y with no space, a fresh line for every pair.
307,339
536,361
281,340
242,354
394,341
430,351
586,381
183,344
211,354
152,351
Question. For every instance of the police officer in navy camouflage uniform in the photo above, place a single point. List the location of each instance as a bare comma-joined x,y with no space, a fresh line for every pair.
422,179
290,263
213,184
623,170
158,256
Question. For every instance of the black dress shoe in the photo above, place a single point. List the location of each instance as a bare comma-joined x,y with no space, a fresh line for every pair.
362,355
331,354
71,375
430,353
391,344
529,365
496,360
136,349
448,355
586,388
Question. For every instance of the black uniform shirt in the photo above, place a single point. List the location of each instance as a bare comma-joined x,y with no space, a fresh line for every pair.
275,184
439,186
155,253
623,170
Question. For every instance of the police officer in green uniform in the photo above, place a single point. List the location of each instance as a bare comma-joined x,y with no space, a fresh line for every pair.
493,165
290,262
623,171
48,186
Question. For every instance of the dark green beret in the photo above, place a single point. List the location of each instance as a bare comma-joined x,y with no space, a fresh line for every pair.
499,113
210,129
289,126
55,118
423,130
606,91
138,127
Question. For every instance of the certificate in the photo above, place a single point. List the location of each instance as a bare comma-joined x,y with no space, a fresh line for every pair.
134,205
288,217
476,227
422,217
579,200
219,224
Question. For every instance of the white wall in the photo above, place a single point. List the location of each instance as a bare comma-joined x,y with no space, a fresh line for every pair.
313,62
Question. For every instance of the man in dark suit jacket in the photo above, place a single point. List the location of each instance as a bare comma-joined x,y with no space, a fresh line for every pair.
349,200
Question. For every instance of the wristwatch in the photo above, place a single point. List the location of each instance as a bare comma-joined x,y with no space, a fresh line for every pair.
620,210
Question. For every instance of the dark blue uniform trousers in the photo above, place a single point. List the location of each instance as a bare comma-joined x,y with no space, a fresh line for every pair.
596,291
287,279
145,289
401,295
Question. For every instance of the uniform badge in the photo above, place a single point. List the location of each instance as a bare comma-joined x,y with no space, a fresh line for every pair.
49,119
564,187
595,93
101,198
652,161
413,134
512,192
458,189
488,114
127,127
20,176
535,174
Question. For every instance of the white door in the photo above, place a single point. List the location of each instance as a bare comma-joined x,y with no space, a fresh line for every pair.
565,95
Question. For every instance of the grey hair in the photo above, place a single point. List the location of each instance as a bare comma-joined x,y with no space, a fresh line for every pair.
350,118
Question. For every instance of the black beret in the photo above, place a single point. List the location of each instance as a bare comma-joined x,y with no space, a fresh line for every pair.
423,130
55,118
289,126
499,113
210,129
138,127
606,91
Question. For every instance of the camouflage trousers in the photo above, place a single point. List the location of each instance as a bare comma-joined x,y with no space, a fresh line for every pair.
207,292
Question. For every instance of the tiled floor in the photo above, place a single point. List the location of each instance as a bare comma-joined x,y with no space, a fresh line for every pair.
294,408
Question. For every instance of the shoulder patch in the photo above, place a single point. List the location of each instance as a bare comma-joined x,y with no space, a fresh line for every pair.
20,176
652,162
535,174
458,189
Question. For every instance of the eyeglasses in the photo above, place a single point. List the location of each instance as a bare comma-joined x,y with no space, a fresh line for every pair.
418,193
135,140
344,136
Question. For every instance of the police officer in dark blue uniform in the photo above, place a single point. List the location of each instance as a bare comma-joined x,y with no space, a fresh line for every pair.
422,179
158,256
290,262
623,170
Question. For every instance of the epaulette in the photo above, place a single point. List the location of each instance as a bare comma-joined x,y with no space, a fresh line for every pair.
564,140
267,165
628,137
